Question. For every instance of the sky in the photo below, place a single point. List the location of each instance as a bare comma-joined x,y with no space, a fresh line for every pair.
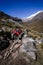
21,8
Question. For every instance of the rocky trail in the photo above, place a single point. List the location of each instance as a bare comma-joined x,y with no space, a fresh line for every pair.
12,51
19,53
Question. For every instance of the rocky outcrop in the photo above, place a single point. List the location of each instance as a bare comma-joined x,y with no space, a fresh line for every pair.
28,48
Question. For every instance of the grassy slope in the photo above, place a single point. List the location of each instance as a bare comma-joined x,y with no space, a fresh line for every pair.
36,26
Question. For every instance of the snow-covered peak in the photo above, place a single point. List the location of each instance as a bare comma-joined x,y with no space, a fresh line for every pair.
31,17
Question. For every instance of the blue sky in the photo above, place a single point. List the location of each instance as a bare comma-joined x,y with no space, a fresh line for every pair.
21,8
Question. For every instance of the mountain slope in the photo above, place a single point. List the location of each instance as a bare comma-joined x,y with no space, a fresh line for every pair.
8,20
35,21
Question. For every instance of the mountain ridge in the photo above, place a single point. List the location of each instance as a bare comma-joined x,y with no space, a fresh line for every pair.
33,15
7,19
35,23
4,15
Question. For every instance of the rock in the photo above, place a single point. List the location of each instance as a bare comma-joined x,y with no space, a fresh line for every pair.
28,48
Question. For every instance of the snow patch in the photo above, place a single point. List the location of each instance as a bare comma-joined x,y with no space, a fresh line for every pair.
31,17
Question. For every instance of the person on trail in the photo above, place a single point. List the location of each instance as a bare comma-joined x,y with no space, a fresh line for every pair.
16,33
